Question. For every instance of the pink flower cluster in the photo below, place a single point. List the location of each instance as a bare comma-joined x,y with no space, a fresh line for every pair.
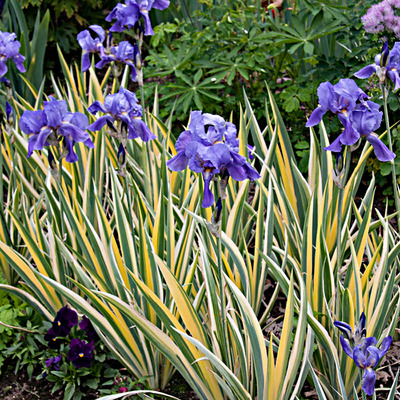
382,17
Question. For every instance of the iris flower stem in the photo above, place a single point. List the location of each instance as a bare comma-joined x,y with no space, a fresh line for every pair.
340,211
60,193
394,180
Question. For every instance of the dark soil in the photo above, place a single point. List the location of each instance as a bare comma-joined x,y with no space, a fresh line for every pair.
19,387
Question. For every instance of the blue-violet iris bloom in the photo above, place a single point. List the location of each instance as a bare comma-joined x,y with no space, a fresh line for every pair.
9,48
124,107
391,70
363,351
359,116
128,15
46,125
124,53
90,45
210,146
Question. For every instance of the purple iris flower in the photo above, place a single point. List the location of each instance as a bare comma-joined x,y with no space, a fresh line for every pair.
359,116
211,147
341,99
363,351
124,53
9,48
80,353
87,327
55,119
128,15
54,362
90,45
122,106
391,70
365,119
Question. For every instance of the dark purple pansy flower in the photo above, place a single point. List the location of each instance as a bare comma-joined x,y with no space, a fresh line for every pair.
128,15
86,325
124,107
124,53
211,147
363,351
61,326
45,126
9,48
384,67
90,45
54,362
80,353
52,338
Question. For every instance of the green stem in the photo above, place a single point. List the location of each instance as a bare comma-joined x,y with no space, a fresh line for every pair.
394,180
60,193
340,212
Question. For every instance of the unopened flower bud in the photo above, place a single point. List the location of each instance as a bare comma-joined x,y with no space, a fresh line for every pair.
384,60
215,224
121,161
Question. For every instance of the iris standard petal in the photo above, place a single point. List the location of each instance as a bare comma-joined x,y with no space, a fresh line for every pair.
31,121
370,341
183,140
359,357
97,106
